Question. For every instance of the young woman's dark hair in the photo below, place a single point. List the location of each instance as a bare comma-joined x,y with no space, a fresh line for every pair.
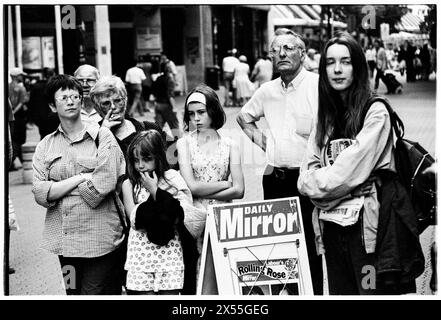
338,118
149,144
62,81
214,107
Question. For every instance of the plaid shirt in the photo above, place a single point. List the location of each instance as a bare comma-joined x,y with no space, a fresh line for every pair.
85,222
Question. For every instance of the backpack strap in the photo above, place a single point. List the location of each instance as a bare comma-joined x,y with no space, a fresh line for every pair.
395,120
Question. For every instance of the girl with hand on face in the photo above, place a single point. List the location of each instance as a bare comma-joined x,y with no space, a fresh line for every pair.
206,159
349,150
161,254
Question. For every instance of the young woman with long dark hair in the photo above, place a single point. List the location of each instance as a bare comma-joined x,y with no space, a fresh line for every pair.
351,142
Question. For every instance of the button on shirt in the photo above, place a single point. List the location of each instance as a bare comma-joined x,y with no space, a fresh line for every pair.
289,112
135,75
85,222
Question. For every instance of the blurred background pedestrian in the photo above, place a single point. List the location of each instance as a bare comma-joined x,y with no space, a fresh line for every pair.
244,87
229,63
134,78
19,98
311,64
371,57
262,71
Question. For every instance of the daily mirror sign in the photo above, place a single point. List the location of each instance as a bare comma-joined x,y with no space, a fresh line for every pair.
255,248
257,220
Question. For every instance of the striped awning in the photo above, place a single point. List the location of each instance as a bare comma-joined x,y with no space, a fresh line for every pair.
300,15
409,23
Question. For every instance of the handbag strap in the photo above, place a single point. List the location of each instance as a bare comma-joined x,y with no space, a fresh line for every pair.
121,215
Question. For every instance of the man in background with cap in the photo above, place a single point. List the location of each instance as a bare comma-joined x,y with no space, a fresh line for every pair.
18,97
88,76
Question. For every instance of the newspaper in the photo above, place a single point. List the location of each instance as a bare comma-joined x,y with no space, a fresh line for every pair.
346,213
273,277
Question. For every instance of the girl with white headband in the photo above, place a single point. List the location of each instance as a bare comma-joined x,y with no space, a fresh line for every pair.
209,163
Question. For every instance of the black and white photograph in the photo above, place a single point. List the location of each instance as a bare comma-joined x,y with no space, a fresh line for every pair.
147,148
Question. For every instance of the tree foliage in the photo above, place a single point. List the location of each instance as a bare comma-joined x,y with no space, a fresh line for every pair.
429,24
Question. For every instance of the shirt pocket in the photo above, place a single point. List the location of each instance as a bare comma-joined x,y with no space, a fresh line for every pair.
54,166
86,164
303,124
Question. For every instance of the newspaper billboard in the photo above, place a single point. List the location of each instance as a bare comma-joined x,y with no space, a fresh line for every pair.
255,248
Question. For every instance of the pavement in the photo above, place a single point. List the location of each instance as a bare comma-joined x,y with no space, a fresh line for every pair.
37,272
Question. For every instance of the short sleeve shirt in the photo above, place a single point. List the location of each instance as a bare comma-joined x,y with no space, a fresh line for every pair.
135,75
289,112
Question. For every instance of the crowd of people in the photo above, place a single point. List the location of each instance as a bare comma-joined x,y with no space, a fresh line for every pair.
127,215
91,169
417,61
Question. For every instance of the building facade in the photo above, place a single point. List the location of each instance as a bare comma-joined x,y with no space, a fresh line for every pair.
113,37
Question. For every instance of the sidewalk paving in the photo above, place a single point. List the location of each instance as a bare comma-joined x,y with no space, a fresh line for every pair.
38,272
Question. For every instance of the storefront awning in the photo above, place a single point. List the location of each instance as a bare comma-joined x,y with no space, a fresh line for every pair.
409,23
300,15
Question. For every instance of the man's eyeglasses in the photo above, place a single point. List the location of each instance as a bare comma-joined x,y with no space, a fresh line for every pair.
73,97
89,81
108,103
288,48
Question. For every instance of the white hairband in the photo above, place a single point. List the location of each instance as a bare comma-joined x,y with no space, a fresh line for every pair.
197,97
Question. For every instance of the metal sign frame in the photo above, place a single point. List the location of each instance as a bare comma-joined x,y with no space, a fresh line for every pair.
257,243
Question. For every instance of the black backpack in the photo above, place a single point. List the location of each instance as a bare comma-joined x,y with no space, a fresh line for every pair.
411,159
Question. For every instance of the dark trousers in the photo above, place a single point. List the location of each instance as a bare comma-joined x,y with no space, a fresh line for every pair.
371,64
281,184
350,269
18,134
164,113
380,75
92,276
134,98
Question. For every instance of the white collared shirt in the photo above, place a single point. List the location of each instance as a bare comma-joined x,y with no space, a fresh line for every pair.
289,112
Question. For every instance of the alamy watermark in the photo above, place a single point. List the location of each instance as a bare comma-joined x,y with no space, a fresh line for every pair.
69,277
368,21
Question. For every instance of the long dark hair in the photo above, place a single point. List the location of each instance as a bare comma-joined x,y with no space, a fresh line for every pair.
338,118
150,144
214,107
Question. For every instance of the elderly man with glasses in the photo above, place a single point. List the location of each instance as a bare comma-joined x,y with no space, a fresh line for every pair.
88,75
289,104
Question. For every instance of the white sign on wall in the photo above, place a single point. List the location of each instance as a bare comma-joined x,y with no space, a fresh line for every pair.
31,53
255,248
148,38
48,52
